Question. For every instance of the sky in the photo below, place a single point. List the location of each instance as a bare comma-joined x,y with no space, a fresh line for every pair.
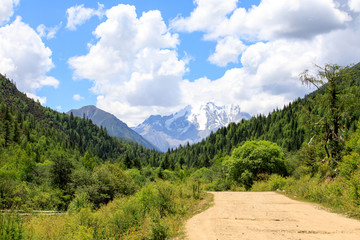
136,58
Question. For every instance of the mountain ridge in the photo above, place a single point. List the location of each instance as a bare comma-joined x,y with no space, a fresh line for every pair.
114,126
189,125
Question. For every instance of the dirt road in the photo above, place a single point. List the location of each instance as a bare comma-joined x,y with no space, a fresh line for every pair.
268,215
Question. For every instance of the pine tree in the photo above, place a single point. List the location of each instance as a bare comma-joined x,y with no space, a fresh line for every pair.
335,82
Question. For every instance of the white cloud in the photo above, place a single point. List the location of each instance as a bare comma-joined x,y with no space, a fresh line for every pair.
137,72
302,19
77,97
227,50
271,19
134,64
207,15
48,32
78,15
269,76
255,93
354,5
284,38
7,9
24,57
41,100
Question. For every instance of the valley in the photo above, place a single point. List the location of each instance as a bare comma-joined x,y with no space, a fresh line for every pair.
155,120
112,188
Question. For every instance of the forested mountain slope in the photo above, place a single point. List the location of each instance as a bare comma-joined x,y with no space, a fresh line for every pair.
23,117
113,125
40,148
281,126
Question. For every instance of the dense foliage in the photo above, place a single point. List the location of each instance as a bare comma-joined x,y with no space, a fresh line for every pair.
110,189
253,161
341,193
155,212
43,151
338,104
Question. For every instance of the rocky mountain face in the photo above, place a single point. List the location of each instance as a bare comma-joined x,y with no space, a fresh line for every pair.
114,126
190,125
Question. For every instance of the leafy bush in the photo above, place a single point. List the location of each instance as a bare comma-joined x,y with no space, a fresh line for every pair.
252,160
156,211
159,229
80,201
277,182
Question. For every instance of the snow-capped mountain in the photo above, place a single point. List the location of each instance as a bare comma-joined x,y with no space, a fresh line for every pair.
191,124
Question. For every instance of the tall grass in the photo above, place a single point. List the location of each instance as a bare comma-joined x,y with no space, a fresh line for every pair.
155,212
342,194
11,226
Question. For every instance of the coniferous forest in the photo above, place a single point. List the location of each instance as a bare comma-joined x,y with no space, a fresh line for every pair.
101,187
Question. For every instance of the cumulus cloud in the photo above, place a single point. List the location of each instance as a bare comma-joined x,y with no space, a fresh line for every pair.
256,90
227,50
136,70
41,100
7,9
24,57
354,5
134,64
269,76
78,97
284,38
296,19
207,15
48,32
271,19
78,15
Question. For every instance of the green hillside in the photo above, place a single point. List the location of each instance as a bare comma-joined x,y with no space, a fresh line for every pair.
40,149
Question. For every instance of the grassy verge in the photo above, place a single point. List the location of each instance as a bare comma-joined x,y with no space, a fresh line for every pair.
158,211
340,195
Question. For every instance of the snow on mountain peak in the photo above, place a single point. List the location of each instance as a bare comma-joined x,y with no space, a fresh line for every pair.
191,124
211,117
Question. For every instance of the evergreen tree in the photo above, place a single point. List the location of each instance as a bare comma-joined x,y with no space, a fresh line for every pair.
61,171
336,104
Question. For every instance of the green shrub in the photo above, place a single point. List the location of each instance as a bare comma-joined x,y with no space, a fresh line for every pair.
260,186
127,216
169,175
354,189
219,185
277,182
254,160
80,201
139,180
159,229
164,200
349,165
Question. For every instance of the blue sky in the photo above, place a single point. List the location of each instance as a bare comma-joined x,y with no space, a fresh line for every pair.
135,58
